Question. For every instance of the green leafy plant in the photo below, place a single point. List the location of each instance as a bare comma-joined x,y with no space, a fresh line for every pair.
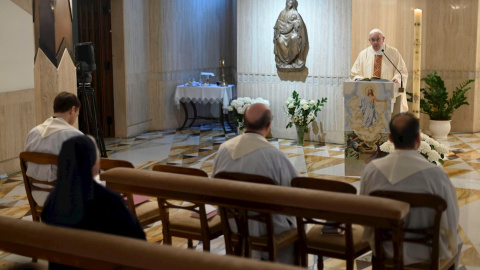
435,101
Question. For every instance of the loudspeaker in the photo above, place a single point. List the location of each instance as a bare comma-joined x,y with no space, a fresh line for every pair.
85,52
85,57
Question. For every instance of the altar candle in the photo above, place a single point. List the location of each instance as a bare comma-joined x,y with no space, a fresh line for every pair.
417,57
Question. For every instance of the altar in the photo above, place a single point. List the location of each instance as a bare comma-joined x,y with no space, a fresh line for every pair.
205,94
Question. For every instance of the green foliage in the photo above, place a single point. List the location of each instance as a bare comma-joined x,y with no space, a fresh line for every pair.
435,101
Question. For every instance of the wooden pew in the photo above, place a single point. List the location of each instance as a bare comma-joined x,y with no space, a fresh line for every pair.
364,210
93,250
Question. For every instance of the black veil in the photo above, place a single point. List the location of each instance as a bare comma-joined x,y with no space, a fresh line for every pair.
66,204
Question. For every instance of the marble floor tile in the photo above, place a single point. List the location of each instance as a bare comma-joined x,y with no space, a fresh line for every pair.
315,163
142,155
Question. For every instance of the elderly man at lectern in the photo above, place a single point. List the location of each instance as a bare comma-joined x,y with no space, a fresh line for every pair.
373,62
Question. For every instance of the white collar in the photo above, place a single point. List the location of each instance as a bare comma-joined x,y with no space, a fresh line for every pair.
245,144
52,125
401,164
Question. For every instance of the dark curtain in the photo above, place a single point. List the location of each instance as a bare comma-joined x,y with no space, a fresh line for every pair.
94,25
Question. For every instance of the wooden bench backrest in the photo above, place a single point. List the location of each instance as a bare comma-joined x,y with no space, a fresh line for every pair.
365,210
93,250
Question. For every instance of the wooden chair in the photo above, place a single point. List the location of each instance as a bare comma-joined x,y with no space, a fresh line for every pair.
241,243
182,224
428,236
146,212
40,159
347,246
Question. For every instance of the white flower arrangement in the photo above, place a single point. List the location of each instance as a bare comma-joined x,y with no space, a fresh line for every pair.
238,106
432,150
301,111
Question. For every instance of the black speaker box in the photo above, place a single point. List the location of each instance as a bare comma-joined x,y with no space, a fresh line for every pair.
85,52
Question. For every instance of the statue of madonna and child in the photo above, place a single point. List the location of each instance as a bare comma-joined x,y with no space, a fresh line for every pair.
290,39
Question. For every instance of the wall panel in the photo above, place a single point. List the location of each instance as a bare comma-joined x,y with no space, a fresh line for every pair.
137,61
17,109
451,49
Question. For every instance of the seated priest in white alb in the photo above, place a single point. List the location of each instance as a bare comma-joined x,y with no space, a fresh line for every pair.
252,153
49,137
372,62
406,170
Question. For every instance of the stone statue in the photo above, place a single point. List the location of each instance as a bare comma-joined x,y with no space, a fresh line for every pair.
290,39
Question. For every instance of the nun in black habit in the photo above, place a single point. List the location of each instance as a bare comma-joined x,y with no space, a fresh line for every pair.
78,201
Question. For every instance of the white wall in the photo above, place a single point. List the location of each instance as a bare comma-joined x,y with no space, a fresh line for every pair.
16,47
328,24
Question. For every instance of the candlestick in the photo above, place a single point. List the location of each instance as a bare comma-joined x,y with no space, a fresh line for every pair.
417,57
222,64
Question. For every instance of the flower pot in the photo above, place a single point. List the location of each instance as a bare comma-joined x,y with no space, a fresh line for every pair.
300,134
440,128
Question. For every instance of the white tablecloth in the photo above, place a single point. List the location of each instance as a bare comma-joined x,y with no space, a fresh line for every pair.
204,94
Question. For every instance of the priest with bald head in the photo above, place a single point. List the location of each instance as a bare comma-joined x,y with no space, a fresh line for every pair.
373,62
252,153
406,170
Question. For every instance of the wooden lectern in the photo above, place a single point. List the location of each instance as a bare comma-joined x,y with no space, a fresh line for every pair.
368,108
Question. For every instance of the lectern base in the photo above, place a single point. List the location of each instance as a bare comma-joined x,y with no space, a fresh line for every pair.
368,109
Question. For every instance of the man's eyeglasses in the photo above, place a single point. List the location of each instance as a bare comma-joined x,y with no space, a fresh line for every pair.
374,40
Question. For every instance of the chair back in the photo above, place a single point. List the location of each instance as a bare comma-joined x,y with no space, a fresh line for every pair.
428,236
146,212
107,164
179,170
178,228
39,159
240,242
349,253
323,184
246,177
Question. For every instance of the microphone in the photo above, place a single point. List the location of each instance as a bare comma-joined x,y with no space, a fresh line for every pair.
401,90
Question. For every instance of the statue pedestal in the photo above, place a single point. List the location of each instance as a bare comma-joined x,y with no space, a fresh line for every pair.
368,108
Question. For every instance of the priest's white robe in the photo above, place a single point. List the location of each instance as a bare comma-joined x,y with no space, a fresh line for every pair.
363,68
252,153
47,138
408,171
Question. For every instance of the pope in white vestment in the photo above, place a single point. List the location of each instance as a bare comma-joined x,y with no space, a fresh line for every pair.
252,153
364,65
408,171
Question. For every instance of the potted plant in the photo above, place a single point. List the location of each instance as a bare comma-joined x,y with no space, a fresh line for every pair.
438,105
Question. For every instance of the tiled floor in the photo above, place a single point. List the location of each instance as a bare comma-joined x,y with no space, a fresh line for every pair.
196,147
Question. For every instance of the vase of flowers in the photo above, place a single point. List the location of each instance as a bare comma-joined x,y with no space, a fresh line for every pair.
431,149
237,109
301,113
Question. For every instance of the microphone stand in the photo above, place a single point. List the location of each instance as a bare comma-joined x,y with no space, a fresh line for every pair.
400,90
